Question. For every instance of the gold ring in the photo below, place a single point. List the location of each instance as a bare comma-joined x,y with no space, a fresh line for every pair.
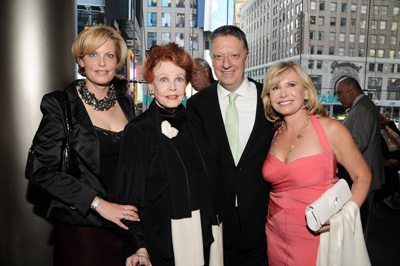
124,217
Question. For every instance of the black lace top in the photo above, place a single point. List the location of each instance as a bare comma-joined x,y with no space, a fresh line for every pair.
109,155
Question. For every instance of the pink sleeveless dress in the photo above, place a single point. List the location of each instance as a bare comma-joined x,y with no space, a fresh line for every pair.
293,187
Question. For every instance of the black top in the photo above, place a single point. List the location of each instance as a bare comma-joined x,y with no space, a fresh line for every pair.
109,155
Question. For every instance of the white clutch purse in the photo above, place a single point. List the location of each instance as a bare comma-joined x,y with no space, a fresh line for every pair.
321,210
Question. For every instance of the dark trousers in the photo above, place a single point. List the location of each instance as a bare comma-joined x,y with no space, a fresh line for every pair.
234,255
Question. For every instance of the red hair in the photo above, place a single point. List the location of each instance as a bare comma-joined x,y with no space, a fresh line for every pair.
169,52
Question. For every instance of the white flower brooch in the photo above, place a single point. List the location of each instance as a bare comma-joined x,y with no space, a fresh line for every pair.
168,130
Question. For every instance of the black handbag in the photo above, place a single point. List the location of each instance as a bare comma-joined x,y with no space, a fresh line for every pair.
68,162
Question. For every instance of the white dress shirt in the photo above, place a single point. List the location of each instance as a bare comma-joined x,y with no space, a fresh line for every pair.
246,103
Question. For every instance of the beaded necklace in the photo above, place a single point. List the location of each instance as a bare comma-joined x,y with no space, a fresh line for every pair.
299,136
90,98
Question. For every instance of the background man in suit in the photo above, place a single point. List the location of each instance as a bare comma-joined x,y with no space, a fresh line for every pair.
364,124
241,151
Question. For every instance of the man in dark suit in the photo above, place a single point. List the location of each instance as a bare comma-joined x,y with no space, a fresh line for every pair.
240,157
363,122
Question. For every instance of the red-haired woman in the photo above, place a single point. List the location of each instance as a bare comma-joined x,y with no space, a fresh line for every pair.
166,171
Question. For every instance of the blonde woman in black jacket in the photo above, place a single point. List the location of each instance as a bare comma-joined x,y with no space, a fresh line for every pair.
83,205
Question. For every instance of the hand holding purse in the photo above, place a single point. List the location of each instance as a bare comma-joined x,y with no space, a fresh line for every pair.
331,202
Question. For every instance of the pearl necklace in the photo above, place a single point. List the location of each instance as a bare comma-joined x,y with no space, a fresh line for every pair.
300,136
90,98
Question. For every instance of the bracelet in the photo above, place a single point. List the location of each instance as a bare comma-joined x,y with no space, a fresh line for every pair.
96,203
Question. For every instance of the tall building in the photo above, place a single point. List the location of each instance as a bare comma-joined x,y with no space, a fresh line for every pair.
329,39
173,21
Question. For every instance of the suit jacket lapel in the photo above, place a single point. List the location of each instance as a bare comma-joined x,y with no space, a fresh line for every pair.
216,121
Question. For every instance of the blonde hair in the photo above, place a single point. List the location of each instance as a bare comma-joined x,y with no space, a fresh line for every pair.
91,39
273,76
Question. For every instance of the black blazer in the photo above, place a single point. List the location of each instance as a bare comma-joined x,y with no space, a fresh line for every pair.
72,196
245,179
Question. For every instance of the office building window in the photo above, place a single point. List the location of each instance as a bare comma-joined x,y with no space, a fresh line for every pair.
391,68
152,19
341,51
152,2
319,64
381,53
321,35
393,40
375,10
332,36
342,37
312,19
180,20
353,23
180,3
361,52
353,8
312,35
317,82
320,49
374,24
331,50
312,49
362,38
333,21
363,22
393,89
352,37
193,3
344,7
372,52
310,64
166,19
396,10
193,20
313,5
380,68
384,10
395,25
321,5
194,41
165,37
351,52
166,3
382,39
321,21
363,9
151,39
383,25
375,83
180,39
343,22
371,67
333,7
373,39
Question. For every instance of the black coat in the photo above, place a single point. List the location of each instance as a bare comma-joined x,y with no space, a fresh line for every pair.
72,196
244,180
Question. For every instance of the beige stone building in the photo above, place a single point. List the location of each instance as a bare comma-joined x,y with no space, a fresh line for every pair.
329,39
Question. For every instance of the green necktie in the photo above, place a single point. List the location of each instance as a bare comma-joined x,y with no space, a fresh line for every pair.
232,127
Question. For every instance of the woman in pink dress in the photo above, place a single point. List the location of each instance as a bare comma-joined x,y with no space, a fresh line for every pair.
301,163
